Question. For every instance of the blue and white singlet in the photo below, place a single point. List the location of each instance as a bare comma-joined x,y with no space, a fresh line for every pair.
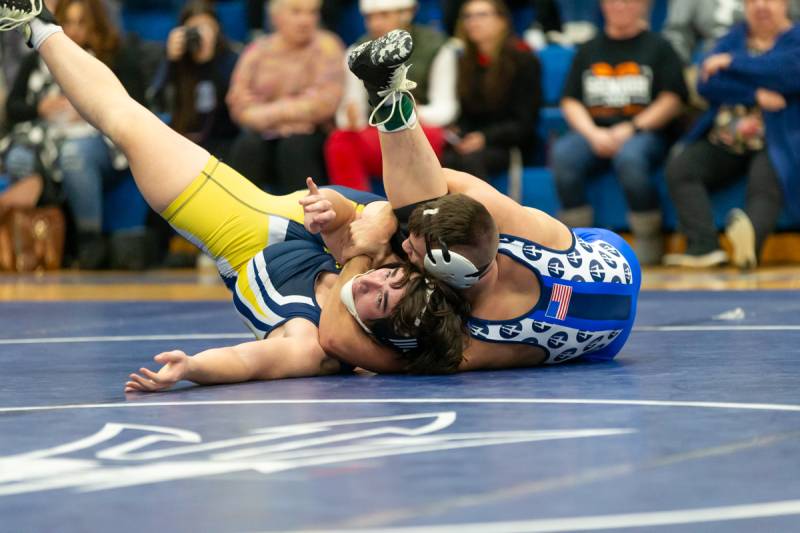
588,297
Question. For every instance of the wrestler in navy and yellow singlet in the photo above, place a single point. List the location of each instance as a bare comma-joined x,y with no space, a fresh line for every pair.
263,252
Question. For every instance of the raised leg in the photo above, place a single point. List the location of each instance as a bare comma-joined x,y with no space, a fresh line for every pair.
163,162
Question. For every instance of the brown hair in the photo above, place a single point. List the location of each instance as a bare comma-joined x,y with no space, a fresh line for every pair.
102,36
184,114
435,315
462,223
497,81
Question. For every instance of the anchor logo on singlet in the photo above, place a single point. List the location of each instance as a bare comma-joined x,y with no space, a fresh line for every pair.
566,354
508,331
613,334
627,269
610,262
540,327
616,279
596,270
556,268
575,258
531,252
578,277
558,339
586,246
610,249
583,336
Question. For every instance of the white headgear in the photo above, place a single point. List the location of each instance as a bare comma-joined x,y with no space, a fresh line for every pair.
346,295
451,267
372,6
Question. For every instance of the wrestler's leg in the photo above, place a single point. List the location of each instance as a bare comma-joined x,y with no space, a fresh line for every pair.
163,162
411,170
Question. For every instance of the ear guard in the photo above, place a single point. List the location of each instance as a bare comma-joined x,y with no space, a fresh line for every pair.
451,267
387,338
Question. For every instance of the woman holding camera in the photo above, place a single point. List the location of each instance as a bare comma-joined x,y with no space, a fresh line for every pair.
192,83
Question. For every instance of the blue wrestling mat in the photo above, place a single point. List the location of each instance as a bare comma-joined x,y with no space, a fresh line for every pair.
694,427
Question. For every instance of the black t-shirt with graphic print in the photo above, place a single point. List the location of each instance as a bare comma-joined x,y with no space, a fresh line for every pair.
617,79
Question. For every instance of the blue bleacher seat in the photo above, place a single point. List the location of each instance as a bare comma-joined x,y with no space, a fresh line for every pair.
233,19
153,25
124,207
608,200
556,61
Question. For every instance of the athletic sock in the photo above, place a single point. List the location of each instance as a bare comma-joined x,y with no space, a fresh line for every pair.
395,116
40,31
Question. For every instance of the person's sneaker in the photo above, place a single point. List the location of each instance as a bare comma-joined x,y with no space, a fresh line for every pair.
742,236
380,64
708,260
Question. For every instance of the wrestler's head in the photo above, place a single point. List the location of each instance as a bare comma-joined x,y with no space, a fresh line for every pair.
420,317
453,238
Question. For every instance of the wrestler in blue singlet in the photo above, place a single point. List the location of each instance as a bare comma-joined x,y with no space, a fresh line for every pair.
588,297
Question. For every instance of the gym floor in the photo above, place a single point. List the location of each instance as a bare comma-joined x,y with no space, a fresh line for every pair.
694,427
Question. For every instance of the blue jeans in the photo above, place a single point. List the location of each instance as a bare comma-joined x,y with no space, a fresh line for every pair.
87,169
574,163
21,161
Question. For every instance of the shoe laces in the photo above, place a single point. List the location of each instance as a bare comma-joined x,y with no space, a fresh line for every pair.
399,84
11,18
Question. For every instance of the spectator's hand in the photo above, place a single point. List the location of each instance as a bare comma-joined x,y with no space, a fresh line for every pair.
176,43
621,133
603,143
317,210
714,64
176,367
472,142
770,100
53,105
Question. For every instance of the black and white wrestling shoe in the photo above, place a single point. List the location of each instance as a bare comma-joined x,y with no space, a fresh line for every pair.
380,64
17,14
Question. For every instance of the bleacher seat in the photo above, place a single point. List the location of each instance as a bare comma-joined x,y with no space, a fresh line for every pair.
150,25
233,19
124,208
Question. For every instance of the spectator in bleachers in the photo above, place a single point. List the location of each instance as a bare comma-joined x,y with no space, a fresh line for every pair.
624,90
353,152
547,13
693,26
499,91
284,93
51,142
752,81
194,79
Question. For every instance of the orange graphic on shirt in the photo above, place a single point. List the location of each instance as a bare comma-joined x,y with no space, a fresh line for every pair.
628,81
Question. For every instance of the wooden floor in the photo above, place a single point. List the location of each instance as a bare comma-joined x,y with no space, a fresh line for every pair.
192,285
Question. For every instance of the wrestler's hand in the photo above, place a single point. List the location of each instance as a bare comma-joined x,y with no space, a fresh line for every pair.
176,367
317,209
370,235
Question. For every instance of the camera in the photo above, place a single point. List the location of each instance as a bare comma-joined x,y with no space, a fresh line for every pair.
193,40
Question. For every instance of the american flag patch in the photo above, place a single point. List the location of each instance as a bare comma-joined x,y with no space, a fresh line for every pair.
559,301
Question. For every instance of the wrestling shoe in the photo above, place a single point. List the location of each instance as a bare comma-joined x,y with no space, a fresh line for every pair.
16,14
380,64
742,236
711,259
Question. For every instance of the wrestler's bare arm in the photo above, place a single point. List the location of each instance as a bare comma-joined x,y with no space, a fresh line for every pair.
511,217
291,350
486,356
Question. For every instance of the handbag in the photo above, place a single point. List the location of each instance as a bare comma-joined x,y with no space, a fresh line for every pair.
31,238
